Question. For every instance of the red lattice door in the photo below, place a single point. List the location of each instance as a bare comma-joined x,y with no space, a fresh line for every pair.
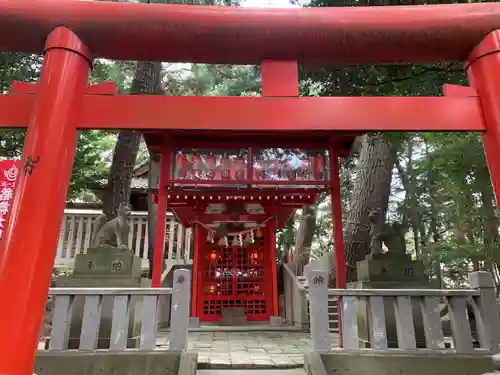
235,276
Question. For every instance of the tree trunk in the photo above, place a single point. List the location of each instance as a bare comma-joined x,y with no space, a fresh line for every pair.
153,183
146,81
371,190
304,238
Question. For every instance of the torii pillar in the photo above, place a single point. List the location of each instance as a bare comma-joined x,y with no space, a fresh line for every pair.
27,253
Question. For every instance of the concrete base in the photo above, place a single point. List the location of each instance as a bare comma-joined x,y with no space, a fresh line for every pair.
390,271
233,316
396,363
74,343
194,322
276,321
105,268
110,363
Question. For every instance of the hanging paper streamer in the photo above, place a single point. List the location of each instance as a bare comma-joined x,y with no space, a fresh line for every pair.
258,233
248,238
241,236
235,241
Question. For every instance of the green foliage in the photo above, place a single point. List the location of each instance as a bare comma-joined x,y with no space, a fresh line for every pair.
90,161
441,186
90,164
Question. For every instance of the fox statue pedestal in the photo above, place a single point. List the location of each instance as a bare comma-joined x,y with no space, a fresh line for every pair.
105,267
390,271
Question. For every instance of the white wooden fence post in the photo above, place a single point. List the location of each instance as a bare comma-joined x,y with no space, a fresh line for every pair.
488,321
318,310
179,322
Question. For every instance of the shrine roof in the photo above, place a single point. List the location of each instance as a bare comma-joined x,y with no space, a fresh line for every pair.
318,139
233,35
254,205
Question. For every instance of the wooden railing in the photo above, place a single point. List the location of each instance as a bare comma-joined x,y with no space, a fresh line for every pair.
296,302
480,298
76,230
114,308
295,299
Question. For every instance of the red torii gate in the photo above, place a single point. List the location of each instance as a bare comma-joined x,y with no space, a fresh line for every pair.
71,33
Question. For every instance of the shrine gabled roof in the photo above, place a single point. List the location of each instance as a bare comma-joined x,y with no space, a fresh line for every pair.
253,205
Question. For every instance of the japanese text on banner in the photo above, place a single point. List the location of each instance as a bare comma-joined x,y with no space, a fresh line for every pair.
8,174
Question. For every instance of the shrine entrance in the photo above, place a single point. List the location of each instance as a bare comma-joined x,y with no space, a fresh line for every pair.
235,195
236,275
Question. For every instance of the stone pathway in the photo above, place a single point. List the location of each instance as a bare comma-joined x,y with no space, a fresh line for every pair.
243,349
260,349
251,372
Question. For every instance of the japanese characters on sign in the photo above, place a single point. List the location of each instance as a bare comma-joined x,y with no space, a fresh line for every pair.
8,175
267,164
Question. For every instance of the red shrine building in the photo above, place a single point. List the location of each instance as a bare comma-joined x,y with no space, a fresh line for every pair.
236,190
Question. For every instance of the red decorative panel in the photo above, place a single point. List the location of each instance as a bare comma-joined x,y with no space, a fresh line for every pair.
268,166
235,276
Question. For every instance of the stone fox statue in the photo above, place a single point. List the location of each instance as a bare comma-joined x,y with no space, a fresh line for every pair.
112,233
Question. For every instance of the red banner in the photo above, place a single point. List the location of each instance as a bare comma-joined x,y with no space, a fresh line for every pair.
8,174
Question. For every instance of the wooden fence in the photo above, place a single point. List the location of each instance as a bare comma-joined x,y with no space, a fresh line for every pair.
76,231
374,302
129,308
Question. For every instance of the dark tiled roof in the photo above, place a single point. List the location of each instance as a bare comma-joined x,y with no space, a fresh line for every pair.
137,183
139,178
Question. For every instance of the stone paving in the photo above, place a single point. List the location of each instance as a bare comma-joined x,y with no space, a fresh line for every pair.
243,349
298,371
248,349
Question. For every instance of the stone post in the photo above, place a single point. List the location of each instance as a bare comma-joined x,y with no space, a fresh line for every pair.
488,321
181,299
496,365
318,310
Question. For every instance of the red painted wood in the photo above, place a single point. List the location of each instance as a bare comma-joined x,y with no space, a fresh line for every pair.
280,78
29,241
295,115
197,254
232,35
107,88
484,75
247,281
458,91
271,233
165,161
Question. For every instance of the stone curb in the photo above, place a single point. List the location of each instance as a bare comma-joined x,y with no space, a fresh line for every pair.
246,366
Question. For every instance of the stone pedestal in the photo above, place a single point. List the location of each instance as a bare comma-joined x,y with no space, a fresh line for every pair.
105,268
390,271
233,316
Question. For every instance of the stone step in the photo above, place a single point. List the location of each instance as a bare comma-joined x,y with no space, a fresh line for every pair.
298,371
